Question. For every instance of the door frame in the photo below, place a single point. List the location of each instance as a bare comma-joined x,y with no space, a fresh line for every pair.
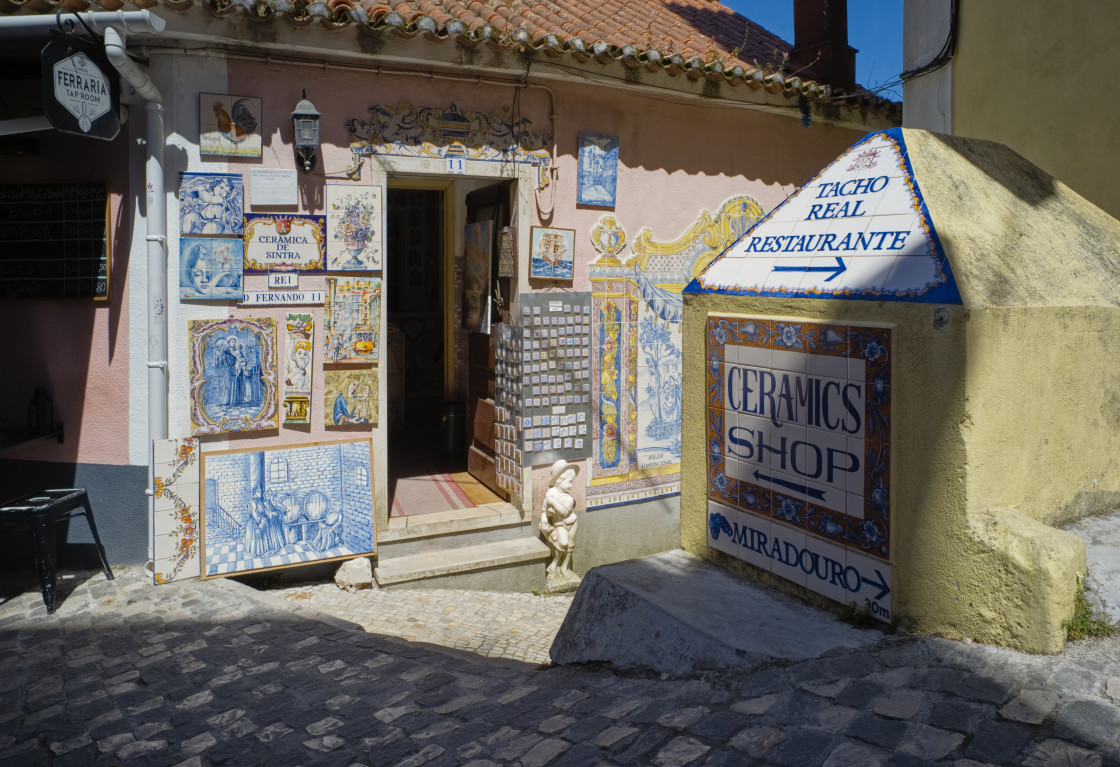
400,171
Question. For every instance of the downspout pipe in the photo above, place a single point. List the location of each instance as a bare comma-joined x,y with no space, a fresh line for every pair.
156,218
12,27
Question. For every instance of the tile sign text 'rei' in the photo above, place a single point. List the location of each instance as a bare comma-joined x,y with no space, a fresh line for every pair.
799,452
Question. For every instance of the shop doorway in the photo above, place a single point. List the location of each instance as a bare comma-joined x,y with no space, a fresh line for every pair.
427,457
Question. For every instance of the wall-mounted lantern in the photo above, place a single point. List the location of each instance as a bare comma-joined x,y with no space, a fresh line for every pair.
305,124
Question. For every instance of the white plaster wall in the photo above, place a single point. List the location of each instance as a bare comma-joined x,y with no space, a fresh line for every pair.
180,79
927,100
137,308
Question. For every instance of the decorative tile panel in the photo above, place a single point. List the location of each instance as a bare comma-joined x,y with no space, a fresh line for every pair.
353,320
211,203
175,520
265,509
355,227
233,376
350,397
798,417
636,355
284,243
298,356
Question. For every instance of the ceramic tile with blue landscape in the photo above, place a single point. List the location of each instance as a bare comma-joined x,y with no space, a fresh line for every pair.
286,506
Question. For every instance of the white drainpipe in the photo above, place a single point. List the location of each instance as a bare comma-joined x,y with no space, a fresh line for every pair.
156,217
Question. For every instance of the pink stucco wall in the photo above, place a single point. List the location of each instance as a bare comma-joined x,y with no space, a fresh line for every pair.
677,159
77,348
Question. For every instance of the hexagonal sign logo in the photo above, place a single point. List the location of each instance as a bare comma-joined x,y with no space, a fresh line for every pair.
81,88
79,96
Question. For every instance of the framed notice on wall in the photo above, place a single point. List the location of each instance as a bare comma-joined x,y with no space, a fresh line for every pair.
54,241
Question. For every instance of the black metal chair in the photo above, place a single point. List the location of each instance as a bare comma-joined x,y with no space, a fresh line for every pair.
39,512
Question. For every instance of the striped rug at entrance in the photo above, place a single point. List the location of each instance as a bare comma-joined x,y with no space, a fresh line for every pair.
425,493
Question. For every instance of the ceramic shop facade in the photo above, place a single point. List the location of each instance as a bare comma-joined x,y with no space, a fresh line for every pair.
453,172
869,427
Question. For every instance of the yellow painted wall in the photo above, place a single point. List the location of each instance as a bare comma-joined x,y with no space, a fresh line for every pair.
1030,74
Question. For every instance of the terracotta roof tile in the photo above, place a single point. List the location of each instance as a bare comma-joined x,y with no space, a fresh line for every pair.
700,37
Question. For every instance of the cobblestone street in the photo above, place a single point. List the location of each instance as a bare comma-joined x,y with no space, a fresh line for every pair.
211,673
493,625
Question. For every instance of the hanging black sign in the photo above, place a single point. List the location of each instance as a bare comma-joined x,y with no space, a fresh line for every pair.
81,94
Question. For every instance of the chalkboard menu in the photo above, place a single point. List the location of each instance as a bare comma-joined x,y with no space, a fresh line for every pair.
53,241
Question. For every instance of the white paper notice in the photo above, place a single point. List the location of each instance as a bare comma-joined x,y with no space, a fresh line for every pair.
272,186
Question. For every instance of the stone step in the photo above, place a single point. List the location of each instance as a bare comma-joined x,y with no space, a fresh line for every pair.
423,533
677,614
509,565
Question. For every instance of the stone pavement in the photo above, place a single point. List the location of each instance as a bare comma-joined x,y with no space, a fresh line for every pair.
490,624
211,673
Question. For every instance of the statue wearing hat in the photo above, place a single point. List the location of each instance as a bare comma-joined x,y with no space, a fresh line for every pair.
558,524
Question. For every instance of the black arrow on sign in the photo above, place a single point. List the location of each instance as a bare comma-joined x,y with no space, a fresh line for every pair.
811,491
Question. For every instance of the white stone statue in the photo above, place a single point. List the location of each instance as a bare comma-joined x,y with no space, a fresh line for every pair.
558,524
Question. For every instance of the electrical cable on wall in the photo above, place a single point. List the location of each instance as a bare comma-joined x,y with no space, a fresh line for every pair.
944,55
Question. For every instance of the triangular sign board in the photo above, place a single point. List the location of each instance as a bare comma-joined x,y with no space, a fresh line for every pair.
859,230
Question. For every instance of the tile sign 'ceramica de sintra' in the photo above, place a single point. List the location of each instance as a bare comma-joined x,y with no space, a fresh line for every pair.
799,411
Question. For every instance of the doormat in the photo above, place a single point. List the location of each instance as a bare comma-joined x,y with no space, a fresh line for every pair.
426,491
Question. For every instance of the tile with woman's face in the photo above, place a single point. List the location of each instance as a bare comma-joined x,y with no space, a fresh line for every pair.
210,269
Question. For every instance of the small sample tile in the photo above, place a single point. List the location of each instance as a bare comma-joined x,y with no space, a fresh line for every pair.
556,377
355,227
211,203
299,352
352,313
509,421
175,522
233,376
285,506
350,397
229,126
210,269
802,438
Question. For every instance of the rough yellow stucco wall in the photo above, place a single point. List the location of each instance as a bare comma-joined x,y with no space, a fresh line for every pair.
964,566
1005,410
1028,73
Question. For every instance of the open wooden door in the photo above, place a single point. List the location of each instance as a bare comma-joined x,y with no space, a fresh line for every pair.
488,204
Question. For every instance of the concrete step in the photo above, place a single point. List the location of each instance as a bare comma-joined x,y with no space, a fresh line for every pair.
507,565
424,533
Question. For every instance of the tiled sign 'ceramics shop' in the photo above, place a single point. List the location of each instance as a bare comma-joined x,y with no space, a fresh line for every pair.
799,453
